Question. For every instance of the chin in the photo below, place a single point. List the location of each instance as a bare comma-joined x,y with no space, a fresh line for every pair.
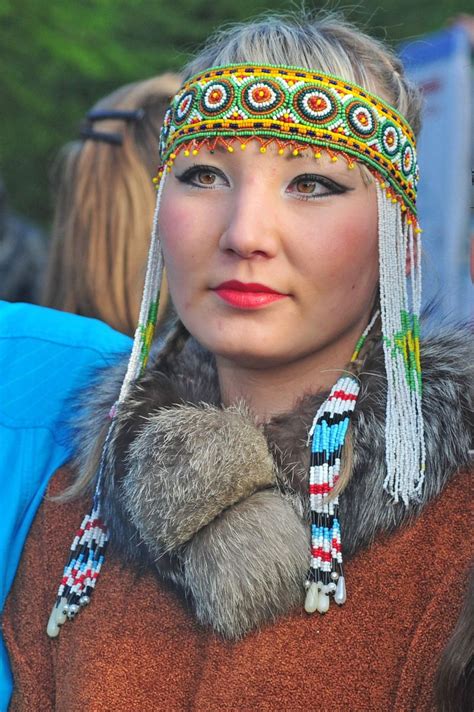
252,353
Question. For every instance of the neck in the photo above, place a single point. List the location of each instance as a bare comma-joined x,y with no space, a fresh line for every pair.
276,389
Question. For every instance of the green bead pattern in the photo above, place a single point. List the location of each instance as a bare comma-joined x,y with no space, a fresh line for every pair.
406,343
147,331
293,105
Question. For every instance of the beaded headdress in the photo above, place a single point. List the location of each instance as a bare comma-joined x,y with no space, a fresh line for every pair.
298,111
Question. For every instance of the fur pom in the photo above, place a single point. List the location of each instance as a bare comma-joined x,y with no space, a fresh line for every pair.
248,566
187,466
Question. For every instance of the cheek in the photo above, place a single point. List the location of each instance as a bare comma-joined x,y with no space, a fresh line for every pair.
342,246
177,234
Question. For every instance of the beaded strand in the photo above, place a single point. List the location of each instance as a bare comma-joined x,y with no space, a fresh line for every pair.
404,430
149,304
88,548
327,435
87,554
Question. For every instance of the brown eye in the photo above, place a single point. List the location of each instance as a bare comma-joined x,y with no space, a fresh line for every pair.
310,186
305,186
206,178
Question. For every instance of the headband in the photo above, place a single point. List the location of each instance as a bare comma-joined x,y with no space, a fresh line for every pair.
296,109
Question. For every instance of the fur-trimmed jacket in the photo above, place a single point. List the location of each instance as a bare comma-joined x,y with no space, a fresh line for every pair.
210,511
190,482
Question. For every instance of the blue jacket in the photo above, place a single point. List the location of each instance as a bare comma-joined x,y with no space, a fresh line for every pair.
46,357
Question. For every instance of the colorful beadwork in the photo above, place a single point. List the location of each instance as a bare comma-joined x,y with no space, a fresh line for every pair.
81,571
86,556
294,107
88,547
327,435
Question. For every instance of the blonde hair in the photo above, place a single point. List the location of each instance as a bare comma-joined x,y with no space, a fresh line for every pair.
104,208
324,42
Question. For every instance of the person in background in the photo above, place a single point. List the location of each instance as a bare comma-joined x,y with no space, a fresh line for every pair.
96,267
23,255
103,206
46,358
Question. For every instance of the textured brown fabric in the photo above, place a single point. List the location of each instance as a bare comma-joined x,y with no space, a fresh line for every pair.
137,647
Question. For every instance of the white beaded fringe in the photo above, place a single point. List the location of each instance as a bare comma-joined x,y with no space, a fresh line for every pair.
154,274
404,432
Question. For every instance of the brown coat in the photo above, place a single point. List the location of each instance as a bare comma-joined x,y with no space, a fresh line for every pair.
137,647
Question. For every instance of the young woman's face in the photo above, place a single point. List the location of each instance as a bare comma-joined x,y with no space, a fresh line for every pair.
269,258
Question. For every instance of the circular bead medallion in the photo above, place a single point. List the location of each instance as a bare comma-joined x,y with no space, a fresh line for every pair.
316,105
390,138
217,97
184,106
165,129
416,176
262,97
361,120
407,160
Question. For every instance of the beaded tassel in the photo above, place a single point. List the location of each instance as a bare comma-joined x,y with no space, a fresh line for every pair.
149,304
88,547
81,572
400,314
85,559
327,434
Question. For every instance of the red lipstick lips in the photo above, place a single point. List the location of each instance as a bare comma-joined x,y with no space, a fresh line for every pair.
250,295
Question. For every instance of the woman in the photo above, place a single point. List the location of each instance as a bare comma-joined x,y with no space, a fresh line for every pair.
104,204
287,222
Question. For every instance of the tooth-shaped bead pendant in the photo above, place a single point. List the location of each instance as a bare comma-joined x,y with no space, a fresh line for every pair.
311,600
52,628
340,595
323,602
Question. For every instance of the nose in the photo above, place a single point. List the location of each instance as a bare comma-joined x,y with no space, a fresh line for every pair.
251,230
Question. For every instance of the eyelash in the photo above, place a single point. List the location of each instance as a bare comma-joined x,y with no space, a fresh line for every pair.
190,173
333,188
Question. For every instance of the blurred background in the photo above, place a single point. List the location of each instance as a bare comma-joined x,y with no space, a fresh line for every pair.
59,57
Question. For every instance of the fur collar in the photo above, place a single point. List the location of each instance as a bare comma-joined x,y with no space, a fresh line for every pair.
218,505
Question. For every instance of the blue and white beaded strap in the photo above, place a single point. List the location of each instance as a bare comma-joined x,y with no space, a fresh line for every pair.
328,432
86,555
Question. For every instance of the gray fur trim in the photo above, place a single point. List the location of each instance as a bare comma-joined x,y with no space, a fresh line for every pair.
186,466
94,418
448,399
248,566
181,492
